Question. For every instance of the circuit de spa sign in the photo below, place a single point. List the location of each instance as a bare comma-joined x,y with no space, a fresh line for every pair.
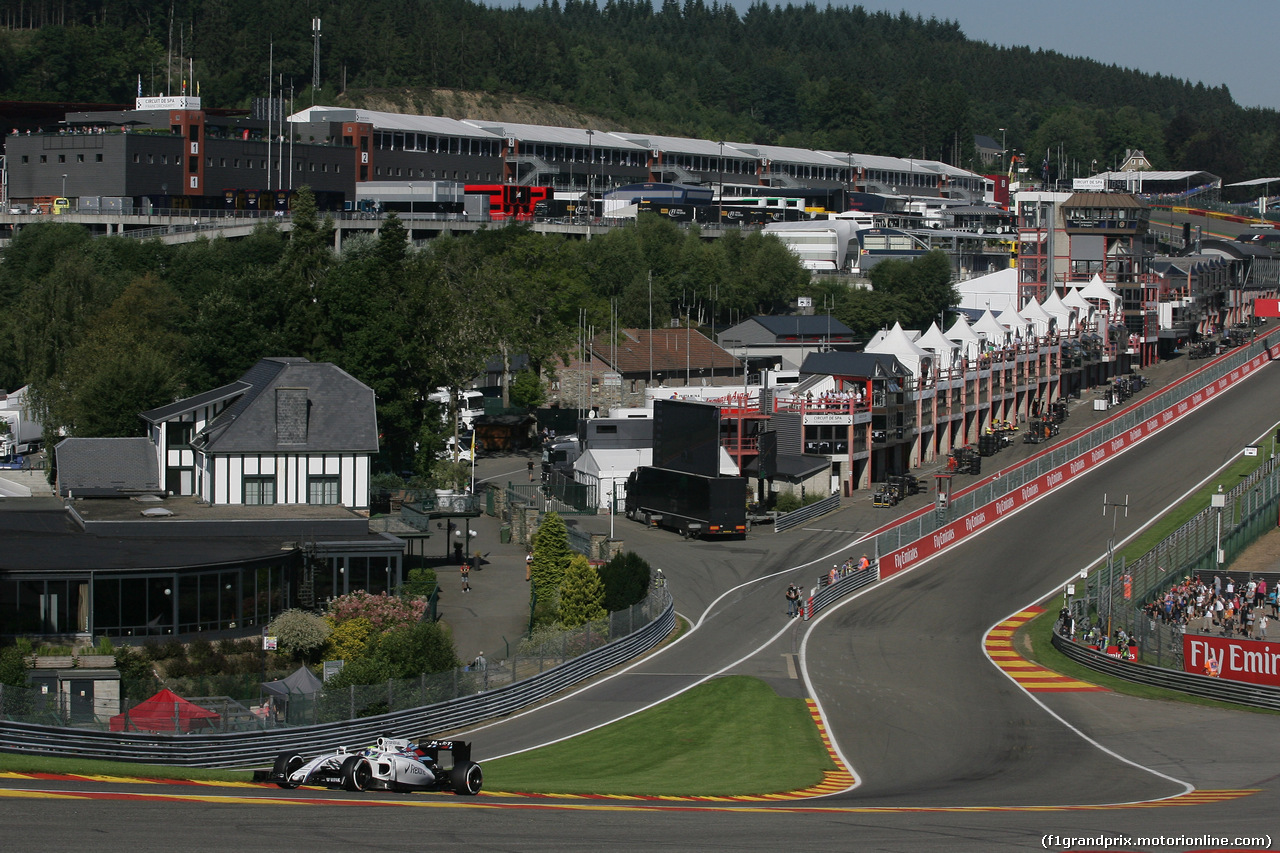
1253,661
910,554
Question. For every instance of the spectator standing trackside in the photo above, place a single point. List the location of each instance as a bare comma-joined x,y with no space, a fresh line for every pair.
480,664
793,600
465,572
528,565
530,470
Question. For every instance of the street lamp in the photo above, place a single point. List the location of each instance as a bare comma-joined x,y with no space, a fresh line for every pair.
1114,506
1218,502
848,184
590,156
720,194
1002,150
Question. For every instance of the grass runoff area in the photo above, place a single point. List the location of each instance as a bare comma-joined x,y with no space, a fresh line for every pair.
730,736
1040,630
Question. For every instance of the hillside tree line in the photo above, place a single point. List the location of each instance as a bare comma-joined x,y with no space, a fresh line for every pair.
834,78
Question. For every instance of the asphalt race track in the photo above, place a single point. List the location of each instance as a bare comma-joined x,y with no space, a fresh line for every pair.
950,754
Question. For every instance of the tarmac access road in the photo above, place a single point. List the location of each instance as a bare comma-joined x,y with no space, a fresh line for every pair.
950,754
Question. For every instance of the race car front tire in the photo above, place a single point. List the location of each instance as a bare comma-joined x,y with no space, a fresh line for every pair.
286,764
466,779
355,774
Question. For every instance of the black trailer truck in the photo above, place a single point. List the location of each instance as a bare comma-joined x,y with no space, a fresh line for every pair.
692,504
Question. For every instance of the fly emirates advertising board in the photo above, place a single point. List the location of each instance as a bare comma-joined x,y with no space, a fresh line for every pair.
1254,661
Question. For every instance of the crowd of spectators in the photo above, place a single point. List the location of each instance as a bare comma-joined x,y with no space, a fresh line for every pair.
1224,606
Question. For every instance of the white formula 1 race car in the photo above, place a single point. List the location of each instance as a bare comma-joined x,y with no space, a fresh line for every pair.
392,764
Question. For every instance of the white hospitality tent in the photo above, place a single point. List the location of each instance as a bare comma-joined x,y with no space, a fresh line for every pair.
1019,327
946,352
1097,289
603,468
897,342
996,291
969,342
1041,322
1073,299
996,333
1059,311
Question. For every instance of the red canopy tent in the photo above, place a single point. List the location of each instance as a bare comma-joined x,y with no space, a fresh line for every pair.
164,712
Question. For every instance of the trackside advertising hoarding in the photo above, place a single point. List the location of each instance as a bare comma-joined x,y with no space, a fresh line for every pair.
1254,661
908,555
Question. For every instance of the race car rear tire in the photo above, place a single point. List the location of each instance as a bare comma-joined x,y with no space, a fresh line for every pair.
286,764
355,774
466,779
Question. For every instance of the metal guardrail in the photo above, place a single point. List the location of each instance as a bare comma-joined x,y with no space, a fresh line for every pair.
804,513
829,594
1220,689
260,748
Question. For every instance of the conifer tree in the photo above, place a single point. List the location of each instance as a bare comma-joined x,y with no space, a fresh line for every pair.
551,555
581,594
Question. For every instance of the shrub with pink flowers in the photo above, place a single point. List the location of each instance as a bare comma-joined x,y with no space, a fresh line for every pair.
383,611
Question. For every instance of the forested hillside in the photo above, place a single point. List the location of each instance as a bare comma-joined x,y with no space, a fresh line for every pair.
835,78
106,328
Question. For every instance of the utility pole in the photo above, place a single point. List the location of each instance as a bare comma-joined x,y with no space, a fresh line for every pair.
1114,506
315,59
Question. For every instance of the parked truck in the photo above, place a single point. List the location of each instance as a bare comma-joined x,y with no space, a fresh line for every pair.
20,432
692,504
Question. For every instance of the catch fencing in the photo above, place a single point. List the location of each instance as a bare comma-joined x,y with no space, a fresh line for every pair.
1251,510
414,708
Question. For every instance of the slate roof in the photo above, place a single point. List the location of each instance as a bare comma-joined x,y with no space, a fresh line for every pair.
189,404
673,350
817,325
339,414
97,467
857,364
792,466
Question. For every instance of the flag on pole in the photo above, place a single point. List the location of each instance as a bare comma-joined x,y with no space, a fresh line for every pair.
139,85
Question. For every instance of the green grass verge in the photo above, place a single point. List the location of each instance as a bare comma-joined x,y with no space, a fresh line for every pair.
1195,503
1040,632
10,763
730,736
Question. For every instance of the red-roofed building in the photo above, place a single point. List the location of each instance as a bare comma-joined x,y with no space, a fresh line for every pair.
615,372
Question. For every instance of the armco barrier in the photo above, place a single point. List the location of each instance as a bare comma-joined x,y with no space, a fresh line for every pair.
920,535
260,748
804,513
1223,690
845,585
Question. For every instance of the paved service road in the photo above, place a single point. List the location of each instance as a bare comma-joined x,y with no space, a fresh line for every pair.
926,722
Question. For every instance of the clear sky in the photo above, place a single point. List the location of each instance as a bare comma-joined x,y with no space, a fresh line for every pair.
1235,42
